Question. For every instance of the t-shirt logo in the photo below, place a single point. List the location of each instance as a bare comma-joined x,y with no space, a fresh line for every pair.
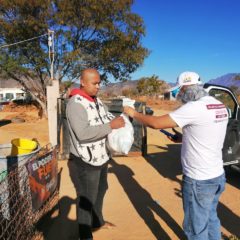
220,111
215,106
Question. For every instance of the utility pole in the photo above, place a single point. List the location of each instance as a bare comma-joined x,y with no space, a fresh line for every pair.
52,93
51,51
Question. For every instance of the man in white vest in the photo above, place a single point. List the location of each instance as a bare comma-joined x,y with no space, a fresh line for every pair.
89,124
203,120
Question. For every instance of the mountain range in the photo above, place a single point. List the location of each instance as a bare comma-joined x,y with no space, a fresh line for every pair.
231,80
118,87
227,80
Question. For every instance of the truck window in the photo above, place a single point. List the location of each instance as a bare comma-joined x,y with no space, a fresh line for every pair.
225,98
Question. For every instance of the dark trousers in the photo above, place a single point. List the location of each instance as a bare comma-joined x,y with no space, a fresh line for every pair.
91,185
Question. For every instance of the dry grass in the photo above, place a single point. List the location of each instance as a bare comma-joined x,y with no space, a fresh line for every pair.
14,107
28,112
28,117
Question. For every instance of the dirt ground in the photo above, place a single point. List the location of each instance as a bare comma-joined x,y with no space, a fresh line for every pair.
144,195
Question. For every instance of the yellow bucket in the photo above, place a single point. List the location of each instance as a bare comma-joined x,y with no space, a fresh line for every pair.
22,146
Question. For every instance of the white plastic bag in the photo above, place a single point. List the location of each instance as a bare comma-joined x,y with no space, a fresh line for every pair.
120,140
128,102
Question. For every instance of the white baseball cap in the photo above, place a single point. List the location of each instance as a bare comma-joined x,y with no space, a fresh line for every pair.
185,79
188,78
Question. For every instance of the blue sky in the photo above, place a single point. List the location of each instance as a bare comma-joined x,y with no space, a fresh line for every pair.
190,35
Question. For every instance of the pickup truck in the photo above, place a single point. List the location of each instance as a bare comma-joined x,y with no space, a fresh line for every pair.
231,148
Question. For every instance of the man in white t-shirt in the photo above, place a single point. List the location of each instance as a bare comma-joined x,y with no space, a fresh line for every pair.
203,120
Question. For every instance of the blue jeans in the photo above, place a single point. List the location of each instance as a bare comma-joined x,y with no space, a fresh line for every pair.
200,200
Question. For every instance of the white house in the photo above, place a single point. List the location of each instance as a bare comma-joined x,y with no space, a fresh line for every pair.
9,94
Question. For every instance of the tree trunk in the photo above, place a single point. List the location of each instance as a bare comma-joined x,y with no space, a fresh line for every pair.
42,111
41,106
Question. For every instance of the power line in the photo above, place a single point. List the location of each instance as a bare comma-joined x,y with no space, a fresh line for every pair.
30,39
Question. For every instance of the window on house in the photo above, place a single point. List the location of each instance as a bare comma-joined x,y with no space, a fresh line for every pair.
9,96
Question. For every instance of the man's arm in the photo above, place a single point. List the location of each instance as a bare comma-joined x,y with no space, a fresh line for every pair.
156,122
78,120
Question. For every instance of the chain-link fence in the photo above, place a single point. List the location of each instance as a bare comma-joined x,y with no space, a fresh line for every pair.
27,192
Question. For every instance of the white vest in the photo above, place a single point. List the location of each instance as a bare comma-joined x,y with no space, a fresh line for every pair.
94,153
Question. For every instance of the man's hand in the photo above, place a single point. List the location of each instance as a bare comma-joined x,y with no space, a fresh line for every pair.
117,123
129,111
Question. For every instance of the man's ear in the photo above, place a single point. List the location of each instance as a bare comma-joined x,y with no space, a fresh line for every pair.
81,83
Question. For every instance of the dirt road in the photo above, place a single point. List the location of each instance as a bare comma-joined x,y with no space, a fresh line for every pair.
144,197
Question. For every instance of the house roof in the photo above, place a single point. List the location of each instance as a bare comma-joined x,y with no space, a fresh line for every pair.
9,83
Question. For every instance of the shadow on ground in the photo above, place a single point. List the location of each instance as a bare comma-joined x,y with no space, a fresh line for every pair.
59,227
168,164
144,204
4,122
233,178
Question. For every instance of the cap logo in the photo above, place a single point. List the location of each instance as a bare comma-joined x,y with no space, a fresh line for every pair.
187,79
